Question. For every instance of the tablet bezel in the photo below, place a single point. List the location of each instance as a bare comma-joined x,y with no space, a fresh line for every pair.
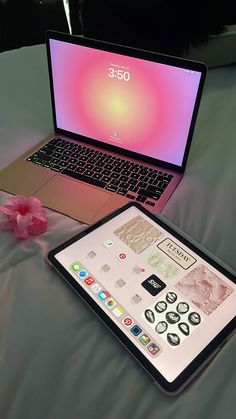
209,351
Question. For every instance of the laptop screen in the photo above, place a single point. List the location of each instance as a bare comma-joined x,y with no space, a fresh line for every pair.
135,104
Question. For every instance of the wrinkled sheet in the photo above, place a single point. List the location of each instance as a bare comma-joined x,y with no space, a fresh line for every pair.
57,360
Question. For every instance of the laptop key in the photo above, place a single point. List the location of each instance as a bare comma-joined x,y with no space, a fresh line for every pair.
115,175
125,172
141,198
124,185
106,179
72,167
89,166
97,175
88,173
115,182
162,185
106,172
133,188
39,162
57,168
45,151
55,161
133,181
48,165
80,170
149,194
122,191
130,196
98,169
112,188
142,185
150,203
135,175
124,178
154,189
32,159
83,178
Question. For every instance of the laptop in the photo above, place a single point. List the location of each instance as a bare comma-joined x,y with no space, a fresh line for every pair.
123,125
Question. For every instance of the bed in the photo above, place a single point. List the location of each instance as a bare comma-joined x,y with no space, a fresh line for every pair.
57,360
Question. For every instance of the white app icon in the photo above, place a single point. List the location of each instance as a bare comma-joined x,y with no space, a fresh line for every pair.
136,299
108,243
120,283
118,311
96,288
105,268
91,254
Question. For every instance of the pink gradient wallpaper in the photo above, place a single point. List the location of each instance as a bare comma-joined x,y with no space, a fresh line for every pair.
134,104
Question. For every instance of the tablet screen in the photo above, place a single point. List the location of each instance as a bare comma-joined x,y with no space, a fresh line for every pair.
166,299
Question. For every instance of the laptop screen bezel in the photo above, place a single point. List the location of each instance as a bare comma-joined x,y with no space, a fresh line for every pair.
136,53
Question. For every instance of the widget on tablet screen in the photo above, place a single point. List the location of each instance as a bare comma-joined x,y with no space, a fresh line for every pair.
138,234
204,289
153,285
172,318
164,266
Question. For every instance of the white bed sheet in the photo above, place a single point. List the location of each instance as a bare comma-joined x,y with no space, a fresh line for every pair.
57,360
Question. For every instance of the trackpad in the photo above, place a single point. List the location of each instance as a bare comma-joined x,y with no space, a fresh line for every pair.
73,198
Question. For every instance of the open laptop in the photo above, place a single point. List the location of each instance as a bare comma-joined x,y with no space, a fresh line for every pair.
123,120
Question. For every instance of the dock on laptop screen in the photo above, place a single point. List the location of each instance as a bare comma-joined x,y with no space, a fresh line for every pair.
138,105
168,300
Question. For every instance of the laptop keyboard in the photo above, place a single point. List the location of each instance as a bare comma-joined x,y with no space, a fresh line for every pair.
115,174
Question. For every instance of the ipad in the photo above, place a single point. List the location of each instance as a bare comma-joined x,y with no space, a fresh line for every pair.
169,303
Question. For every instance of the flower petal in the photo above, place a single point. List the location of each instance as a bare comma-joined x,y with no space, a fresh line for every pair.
21,229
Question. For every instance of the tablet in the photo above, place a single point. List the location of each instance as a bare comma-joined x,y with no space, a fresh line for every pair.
168,302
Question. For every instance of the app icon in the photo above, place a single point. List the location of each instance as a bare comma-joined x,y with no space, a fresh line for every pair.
91,254
83,273
76,266
153,348
103,295
118,311
144,339
105,268
137,270
120,283
127,321
108,243
153,285
96,288
110,303
122,256
136,299
136,330
89,280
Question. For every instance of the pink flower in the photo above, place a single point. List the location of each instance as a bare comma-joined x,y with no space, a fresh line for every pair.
24,216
